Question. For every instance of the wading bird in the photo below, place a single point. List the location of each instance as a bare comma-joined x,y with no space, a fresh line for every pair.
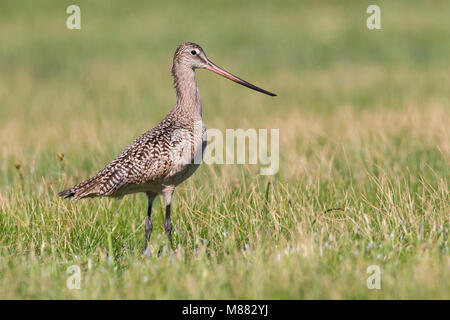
163,157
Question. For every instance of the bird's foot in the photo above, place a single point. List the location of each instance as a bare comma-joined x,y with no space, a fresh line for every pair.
147,251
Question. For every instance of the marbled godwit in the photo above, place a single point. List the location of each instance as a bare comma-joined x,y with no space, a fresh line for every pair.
151,164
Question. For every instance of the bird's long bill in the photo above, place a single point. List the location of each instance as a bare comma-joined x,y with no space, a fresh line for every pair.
214,68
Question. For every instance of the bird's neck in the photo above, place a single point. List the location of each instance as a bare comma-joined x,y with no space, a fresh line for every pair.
188,97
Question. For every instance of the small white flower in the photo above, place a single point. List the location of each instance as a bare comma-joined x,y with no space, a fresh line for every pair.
369,245
379,256
400,221
224,233
380,246
145,279
246,246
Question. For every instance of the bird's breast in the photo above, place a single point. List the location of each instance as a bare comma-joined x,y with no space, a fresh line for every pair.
187,152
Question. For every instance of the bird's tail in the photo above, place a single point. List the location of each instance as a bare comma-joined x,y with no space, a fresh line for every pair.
87,188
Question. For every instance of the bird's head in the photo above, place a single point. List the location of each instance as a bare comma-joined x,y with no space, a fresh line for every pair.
191,55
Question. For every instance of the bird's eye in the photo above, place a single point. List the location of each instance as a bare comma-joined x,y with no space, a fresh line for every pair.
193,52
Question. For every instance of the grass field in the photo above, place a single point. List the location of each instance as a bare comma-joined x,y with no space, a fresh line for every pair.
364,119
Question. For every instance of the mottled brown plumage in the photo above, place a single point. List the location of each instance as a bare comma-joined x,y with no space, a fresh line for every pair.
163,157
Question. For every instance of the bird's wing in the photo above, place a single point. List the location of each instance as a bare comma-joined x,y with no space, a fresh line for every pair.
148,158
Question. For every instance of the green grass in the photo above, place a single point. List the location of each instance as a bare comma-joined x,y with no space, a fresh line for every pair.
364,126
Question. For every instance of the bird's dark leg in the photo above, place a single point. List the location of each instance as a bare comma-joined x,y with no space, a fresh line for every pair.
148,221
168,225
167,194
